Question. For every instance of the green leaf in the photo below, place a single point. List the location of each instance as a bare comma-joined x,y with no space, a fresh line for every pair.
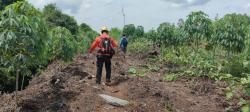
229,95
245,108
242,102
132,71
171,77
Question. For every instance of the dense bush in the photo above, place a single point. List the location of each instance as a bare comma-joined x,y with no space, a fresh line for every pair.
140,46
198,27
129,30
166,34
84,27
27,44
152,35
63,45
116,33
55,18
85,40
231,32
4,3
139,31
23,40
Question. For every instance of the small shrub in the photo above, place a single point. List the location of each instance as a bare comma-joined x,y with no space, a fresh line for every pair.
171,77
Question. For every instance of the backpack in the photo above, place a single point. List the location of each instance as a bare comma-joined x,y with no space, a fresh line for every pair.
107,47
124,42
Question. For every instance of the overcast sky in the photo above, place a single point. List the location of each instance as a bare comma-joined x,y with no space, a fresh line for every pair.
148,13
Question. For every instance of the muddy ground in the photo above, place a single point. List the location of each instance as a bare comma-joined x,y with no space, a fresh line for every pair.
71,88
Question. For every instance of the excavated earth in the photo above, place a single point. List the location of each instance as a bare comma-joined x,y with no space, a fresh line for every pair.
70,88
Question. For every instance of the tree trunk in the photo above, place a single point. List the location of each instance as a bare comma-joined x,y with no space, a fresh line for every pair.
22,82
17,78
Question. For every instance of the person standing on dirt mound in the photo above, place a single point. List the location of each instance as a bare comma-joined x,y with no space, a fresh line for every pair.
105,51
123,44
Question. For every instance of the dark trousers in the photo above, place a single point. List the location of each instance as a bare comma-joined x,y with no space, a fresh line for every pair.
123,49
100,62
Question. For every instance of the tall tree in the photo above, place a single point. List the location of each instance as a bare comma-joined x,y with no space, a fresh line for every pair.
231,32
85,28
4,3
63,45
139,31
115,33
23,40
55,18
152,35
166,33
198,26
129,30
180,23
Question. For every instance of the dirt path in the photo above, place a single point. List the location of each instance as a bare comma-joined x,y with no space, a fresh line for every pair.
70,88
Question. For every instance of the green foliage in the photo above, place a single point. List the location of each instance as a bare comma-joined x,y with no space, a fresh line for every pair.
169,35
202,64
133,32
247,50
1,6
85,40
139,31
152,35
23,34
171,77
229,95
153,68
63,45
129,30
180,23
28,45
245,108
140,46
85,37
166,33
231,32
4,3
198,26
55,18
136,73
238,66
23,39
179,37
132,71
115,33
84,27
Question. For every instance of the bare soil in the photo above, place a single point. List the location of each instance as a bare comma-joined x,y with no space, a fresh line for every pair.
71,88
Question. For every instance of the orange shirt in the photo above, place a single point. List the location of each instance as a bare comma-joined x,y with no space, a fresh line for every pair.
98,40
